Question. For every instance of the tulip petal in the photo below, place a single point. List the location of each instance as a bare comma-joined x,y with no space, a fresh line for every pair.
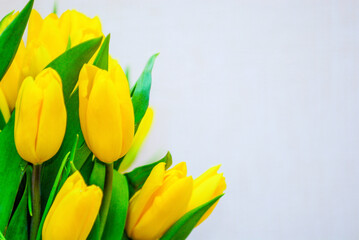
86,79
52,122
123,90
12,79
75,215
74,181
141,199
165,210
205,192
34,26
26,122
104,121
4,108
207,174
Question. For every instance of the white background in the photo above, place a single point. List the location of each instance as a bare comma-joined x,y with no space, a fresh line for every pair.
269,89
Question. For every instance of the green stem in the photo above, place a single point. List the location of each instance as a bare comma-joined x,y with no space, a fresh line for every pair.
107,192
36,201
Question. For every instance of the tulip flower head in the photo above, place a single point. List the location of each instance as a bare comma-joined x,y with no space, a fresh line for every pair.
74,210
80,27
162,200
46,40
206,187
40,117
106,112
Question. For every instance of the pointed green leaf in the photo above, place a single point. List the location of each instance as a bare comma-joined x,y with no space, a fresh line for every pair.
138,176
116,219
82,155
184,226
12,169
10,38
18,227
2,120
69,64
141,90
101,59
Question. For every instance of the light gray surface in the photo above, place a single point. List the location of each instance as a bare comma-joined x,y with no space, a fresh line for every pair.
269,89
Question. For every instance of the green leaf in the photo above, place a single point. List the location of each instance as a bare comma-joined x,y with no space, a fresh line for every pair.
2,120
138,176
52,195
18,227
69,64
74,57
10,38
2,236
28,185
116,219
98,174
12,169
127,73
101,60
141,91
54,8
82,154
87,168
184,226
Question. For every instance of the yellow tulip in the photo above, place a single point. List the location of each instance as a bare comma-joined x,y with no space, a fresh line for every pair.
79,27
40,117
138,140
207,186
46,40
106,112
74,210
162,200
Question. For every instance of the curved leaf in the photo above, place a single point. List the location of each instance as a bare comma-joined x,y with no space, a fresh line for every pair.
116,219
69,64
10,38
184,226
18,227
12,169
141,91
101,59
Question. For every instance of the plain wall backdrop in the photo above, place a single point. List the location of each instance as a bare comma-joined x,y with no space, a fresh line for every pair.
269,89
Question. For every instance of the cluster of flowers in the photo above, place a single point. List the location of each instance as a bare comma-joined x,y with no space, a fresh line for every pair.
163,203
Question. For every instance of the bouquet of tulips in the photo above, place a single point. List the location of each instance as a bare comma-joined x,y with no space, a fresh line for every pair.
70,128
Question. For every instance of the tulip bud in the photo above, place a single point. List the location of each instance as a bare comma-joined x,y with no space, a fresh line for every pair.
79,27
206,187
40,117
162,200
46,40
74,210
106,112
